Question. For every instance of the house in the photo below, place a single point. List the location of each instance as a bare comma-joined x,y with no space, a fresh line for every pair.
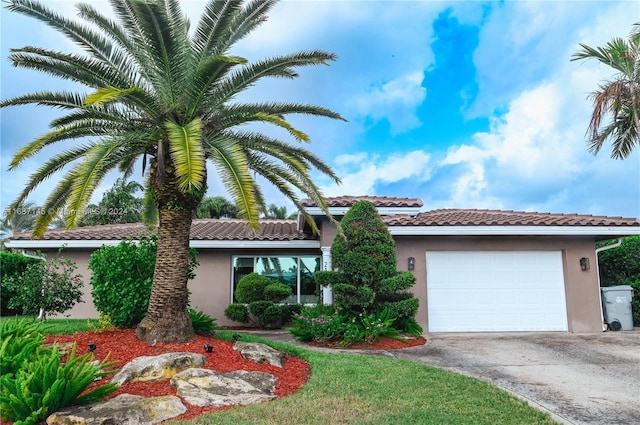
476,270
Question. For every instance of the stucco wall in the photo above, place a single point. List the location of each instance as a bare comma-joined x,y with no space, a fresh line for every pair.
211,289
581,287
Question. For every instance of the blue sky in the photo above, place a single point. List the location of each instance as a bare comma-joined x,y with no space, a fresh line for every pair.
464,104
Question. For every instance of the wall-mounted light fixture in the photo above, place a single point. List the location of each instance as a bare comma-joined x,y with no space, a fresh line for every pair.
584,264
411,265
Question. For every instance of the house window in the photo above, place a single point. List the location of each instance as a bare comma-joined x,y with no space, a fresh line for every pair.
295,272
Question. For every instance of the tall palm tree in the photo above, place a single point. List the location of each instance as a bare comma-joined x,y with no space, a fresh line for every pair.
216,207
164,95
618,97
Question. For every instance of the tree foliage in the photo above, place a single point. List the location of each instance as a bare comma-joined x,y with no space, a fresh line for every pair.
121,279
12,266
46,287
164,93
118,205
366,280
216,207
621,266
617,98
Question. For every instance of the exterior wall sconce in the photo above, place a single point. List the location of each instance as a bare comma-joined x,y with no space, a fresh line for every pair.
584,264
411,263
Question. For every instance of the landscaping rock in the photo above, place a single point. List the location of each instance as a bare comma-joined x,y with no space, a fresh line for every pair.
157,368
259,353
204,387
125,409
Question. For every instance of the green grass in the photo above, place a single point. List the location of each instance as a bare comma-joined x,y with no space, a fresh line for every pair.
61,326
371,390
359,389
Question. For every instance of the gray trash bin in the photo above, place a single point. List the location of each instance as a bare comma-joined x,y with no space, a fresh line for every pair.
616,305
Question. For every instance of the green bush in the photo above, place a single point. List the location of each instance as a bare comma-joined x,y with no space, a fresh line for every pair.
289,310
350,298
47,286
257,296
122,279
318,323
399,282
237,312
21,340
367,290
621,266
365,252
251,288
277,292
12,265
203,324
44,384
403,310
370,328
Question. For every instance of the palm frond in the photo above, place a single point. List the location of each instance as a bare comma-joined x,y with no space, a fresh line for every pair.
62,100
187,153
87,176
230,162
89,72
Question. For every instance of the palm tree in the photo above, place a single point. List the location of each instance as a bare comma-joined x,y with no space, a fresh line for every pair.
618,97
274,211
118,205
216,207
164,96
20,217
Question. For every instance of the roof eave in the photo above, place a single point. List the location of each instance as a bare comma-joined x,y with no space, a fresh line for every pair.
612,231
338,211
201,244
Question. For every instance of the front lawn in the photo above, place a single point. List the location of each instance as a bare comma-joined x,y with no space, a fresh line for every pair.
361,389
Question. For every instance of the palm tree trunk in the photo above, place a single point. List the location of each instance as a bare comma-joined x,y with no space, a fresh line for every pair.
167,319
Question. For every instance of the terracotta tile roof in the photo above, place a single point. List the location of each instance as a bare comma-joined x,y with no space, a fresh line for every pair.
378,201
201,229
471,217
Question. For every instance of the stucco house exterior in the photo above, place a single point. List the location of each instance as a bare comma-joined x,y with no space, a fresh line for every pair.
476,270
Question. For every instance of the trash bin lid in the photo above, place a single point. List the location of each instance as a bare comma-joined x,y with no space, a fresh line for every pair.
617,288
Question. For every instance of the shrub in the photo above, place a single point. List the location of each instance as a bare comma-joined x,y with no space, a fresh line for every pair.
251,288
369,328
237,312
12,265
621,266
203,324
257,296
350,298
47,287
44,384
289,310
365,252
122,279
20,342
319,323
277,292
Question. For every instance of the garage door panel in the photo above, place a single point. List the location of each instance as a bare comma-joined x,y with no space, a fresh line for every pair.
495,291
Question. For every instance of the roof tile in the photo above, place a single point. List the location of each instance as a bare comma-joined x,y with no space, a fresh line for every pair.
378,201
201,229
471,217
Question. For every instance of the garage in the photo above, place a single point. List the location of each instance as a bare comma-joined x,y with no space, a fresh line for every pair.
495,291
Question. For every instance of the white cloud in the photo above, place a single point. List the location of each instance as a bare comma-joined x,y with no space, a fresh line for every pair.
361,172
396,101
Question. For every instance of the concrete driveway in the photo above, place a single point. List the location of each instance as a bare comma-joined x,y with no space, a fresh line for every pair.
579,379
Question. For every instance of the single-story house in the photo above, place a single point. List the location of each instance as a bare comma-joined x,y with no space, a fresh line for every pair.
476,270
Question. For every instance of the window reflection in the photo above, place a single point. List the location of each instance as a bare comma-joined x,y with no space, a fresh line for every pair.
295,272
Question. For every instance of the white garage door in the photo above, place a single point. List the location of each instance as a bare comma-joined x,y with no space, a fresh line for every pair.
489,291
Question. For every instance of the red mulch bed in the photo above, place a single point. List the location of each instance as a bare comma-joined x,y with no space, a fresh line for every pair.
122,346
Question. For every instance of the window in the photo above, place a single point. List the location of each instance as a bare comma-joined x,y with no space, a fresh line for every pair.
295,272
